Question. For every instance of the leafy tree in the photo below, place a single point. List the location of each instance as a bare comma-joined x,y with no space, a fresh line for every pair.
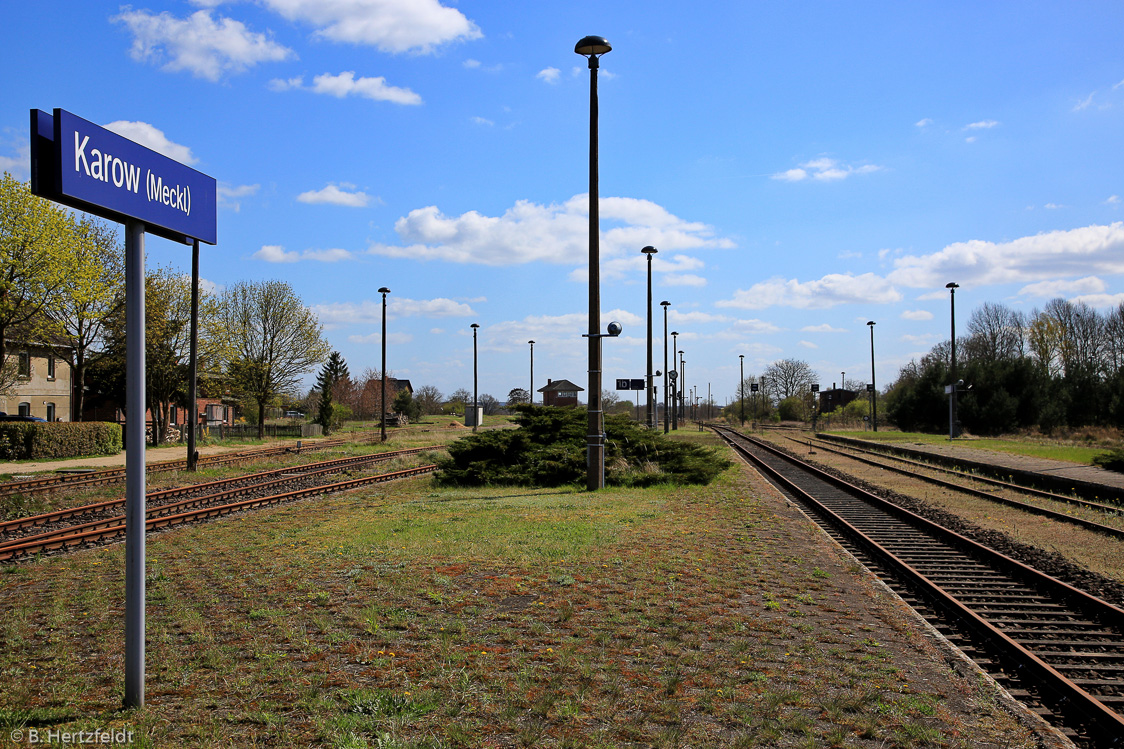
34,261
515,396
271,340
86,299
334,370
459,400
789,377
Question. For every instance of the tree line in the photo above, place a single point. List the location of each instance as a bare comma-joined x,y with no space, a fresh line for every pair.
1056,367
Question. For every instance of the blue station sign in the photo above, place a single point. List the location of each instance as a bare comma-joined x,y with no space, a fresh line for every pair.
85,166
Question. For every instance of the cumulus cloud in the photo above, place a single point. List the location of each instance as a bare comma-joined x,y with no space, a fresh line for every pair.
1051,255
916,314
18,165
346,84
808,344
824,170
274,253
484,122
199,44
982,125
154,138
336,195
554,233
828,291
684,279
923,123
376,339
1064,288
550,75
230,196
391,25
824,328
370,311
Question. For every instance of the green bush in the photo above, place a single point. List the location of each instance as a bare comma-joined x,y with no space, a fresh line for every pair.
1112,461
32,440
548,449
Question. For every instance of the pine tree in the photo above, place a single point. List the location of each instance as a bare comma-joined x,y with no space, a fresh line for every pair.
333,371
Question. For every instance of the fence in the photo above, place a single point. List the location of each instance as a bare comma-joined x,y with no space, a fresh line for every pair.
250,431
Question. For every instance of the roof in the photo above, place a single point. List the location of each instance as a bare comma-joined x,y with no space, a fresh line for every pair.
400,384
557,385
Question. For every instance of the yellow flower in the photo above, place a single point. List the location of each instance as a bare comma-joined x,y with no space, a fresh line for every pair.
550,650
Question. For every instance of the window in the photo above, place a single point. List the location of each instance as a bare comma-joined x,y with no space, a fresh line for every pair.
24,364
25,409
50,370
50,412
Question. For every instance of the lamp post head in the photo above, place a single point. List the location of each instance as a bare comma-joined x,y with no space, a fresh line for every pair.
649,251
384,290
593,47
531,342
675,332
871,323
615,328
952,286
665,304
474,325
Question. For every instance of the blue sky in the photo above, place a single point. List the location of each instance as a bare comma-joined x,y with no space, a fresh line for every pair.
802,168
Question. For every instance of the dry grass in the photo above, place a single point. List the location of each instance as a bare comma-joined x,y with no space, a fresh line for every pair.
404,616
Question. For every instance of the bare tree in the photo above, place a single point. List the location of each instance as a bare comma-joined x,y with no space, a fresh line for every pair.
271,338
429,398
789,377
995,333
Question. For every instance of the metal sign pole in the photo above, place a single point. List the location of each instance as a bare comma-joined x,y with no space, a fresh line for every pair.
134,463
193,372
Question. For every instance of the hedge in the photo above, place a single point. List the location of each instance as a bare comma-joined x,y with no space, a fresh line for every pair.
33,440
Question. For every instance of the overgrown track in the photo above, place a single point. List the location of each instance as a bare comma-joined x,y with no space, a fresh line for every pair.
1052,645
98,522
913,469
117,475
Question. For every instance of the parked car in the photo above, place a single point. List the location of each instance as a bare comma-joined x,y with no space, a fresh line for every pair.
14,417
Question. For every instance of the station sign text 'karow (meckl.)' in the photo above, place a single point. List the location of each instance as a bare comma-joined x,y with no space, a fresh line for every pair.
85,166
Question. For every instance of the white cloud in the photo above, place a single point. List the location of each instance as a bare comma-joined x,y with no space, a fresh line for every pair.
346,84
824,328
1112,200
154,138
471,64
391,25
274,253
1053,206
828,291
20,164
230,196
982,125
1064,288
684,279
1084,103
199,44
555,233
370,311
1041,257
482,122
376,339
824,170
1100,300
916,314
923,123
808,344
550,75
334,195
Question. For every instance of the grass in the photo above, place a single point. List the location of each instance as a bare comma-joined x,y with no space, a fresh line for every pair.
410,616
1032,448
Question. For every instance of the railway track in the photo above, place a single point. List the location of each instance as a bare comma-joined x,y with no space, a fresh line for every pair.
99,521
1054,646
117,475
921,471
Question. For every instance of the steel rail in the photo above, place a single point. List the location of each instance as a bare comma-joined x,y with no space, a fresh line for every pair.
1068,696
89,536
240,487
57,515
1025,506
113,475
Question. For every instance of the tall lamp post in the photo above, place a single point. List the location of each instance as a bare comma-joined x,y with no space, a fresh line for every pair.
382,397
651,414
682,387
873,387
953,423
475,397
531,392
674,380
666,398
592,47
741,387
